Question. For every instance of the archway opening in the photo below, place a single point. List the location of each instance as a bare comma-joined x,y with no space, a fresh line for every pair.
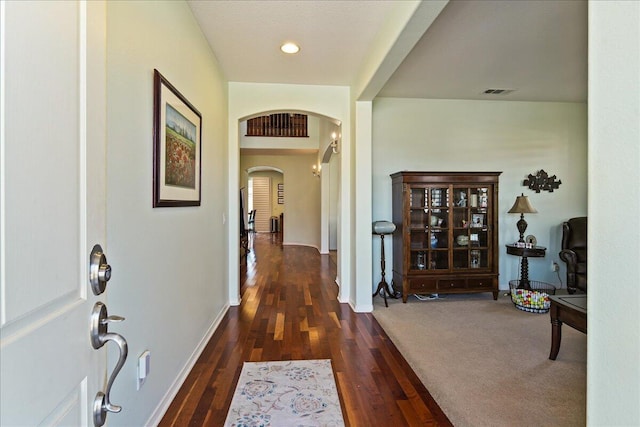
265,198
310,188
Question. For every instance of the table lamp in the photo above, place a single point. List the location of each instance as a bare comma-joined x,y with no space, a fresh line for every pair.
522,206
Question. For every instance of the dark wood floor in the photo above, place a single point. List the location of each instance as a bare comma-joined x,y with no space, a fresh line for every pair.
289,311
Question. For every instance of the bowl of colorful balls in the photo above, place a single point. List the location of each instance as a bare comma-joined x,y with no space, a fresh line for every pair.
533,296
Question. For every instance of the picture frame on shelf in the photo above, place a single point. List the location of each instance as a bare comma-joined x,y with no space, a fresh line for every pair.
475,258
477,220
474,239
177,147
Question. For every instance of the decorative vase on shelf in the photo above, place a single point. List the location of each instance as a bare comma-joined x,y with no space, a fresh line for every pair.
462,240
434,241
421,264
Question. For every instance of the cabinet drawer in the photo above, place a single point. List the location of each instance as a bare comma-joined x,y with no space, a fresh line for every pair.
480,282
423,284
445,284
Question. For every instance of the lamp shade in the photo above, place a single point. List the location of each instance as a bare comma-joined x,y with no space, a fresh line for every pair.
522,205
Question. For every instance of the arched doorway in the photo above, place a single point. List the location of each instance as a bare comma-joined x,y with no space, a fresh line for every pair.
332,102
311,178
265,194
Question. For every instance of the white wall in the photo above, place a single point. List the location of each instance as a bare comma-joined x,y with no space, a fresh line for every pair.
328,129
613,369
169,264
361,207
301,195
334,179
516,138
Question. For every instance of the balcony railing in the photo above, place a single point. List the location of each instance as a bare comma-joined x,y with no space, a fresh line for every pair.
278,125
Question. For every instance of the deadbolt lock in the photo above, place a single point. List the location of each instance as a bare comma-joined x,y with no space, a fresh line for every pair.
99,270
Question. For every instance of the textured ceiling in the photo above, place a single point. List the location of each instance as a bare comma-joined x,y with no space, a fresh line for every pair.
334,37
538,48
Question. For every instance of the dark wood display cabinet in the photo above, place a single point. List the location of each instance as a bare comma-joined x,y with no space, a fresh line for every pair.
446,238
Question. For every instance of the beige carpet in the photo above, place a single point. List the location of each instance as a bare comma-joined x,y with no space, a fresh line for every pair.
487,363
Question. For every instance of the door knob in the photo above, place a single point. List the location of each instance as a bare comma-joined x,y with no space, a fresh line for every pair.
99,270
99,337
99,325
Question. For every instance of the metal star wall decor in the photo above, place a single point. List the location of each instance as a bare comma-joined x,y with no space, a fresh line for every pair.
542,181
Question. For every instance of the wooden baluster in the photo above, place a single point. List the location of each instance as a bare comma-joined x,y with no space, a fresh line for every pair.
288,117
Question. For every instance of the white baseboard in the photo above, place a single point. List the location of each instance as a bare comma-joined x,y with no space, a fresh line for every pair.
361,308
171,393
342,298
301,244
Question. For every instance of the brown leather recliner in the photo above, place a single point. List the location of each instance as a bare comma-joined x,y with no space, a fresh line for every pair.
574,253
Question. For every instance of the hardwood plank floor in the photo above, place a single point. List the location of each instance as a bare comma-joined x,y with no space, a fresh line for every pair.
289,311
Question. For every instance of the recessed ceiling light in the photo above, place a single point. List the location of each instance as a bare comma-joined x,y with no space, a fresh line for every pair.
290,48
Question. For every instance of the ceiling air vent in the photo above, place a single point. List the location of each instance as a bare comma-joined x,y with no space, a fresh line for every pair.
498,91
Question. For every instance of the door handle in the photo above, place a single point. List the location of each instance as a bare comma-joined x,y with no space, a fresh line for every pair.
99,337
99,270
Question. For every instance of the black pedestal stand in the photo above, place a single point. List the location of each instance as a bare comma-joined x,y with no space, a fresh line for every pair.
383,286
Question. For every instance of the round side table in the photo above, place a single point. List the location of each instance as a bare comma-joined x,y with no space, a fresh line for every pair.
534,252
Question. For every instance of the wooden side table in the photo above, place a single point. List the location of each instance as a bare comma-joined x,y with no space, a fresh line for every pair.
569,309
535,252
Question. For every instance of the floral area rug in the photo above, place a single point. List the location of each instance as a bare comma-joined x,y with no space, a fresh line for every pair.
293,393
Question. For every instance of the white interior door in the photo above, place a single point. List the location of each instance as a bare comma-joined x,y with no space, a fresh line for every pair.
52,208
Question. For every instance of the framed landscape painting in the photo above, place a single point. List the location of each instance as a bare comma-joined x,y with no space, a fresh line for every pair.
177,131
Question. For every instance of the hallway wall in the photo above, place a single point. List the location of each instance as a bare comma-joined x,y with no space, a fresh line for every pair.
169,264
613,342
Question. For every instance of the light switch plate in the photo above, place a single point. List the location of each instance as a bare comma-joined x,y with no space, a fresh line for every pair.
144,362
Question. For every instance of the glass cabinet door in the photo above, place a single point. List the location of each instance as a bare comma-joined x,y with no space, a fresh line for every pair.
429,227
418,219
471,230
439,227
